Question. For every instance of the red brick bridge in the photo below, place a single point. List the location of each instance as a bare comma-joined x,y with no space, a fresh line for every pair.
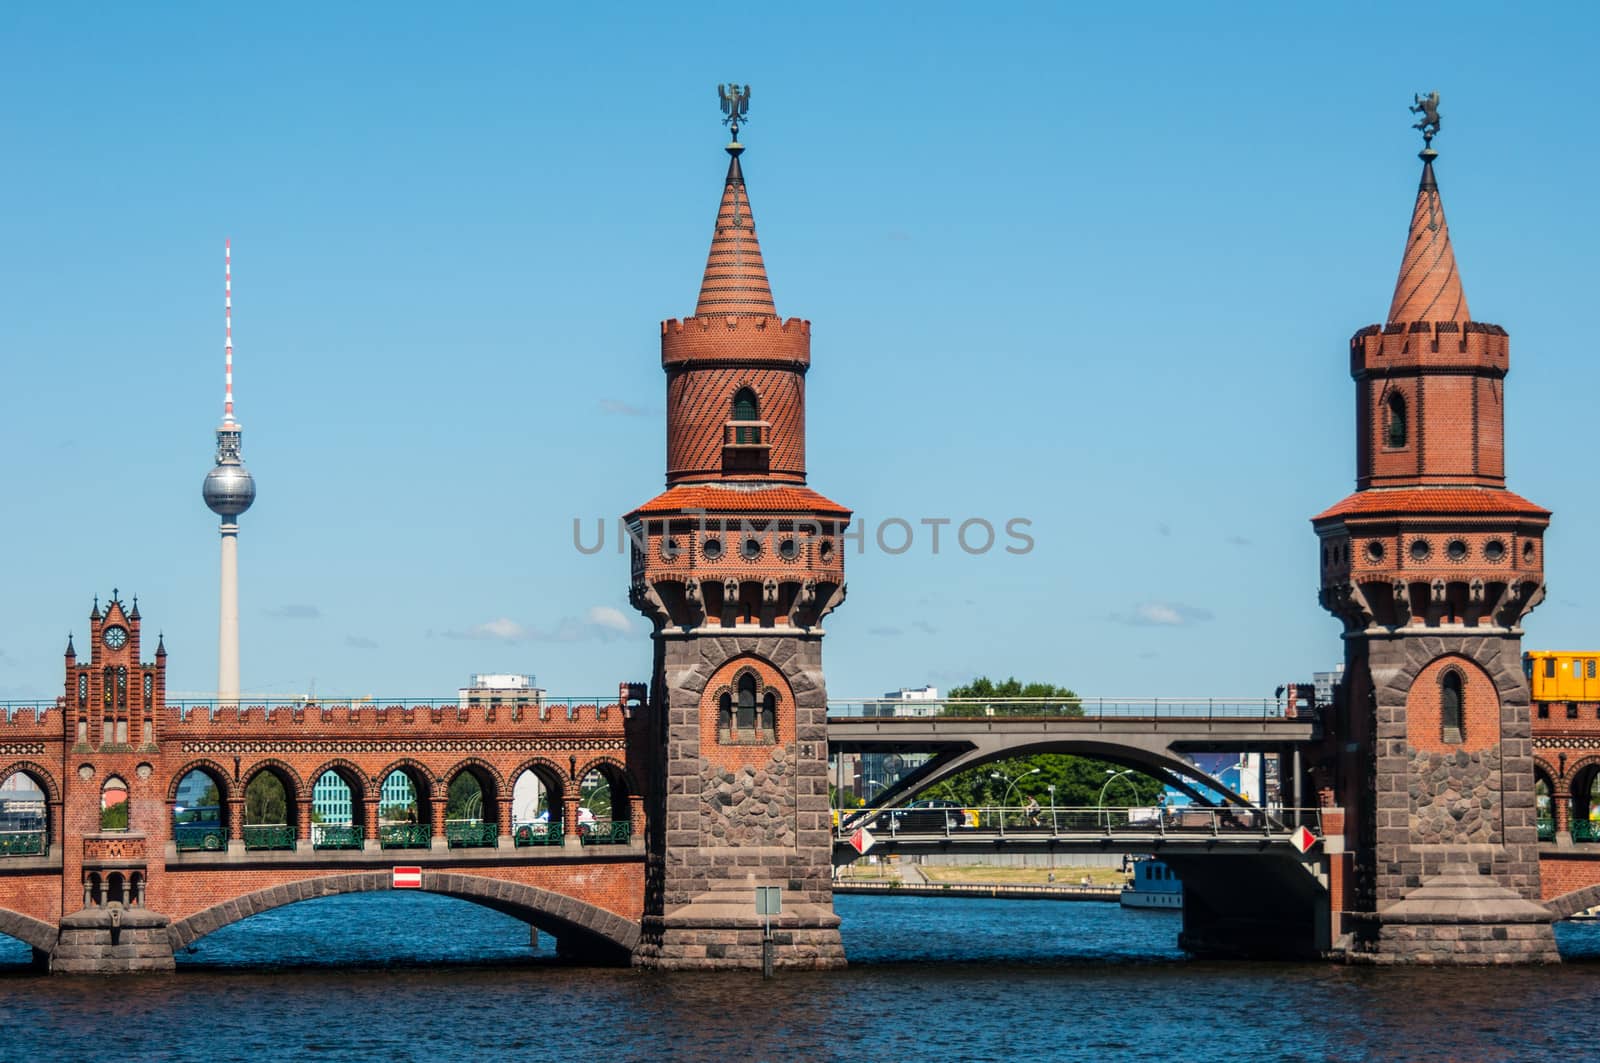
116,864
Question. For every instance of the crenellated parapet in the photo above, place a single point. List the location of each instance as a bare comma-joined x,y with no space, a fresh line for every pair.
1470,346
736,339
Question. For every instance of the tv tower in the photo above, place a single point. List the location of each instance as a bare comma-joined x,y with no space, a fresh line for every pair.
229,489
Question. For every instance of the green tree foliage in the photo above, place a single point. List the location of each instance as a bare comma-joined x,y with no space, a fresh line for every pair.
399,813
465,799
115,817
1079,781
265,800
595,795
210,796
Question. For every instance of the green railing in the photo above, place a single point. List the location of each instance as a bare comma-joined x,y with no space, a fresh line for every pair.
206,837
268,836
22,843
617,832
405,835
472,835
1547,830
336,836
1585,830
537,834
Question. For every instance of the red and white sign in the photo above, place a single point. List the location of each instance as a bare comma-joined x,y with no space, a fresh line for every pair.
861,841
408,878
1302,839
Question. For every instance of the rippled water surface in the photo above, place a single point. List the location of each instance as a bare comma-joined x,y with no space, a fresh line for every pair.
412,976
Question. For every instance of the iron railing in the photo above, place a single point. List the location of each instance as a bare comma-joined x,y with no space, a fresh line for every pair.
1547,829
204,837
467,835
1048,822
268,836
616,832
1585,830
404,835
22,843
537,834
337,836
1092,708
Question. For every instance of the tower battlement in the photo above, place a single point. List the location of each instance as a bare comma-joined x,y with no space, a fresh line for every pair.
1471,345
736,338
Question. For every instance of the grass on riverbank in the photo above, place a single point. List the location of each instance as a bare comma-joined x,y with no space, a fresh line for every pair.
986,875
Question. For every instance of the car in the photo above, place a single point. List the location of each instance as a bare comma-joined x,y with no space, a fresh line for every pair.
931,814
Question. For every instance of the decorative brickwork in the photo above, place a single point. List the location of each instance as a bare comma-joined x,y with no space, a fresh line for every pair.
735,565
1431,566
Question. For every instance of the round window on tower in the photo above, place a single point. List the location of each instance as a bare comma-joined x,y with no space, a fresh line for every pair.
1494,550
1375,552
788,549
825,551
1420,549
1456,550
711,549
751,548
1527,551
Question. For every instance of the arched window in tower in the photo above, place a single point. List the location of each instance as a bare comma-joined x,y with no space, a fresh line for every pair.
746,410
745,722
769,716
114,804
1451,701
1394,431
725,718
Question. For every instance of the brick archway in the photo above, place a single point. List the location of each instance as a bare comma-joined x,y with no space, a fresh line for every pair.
555,913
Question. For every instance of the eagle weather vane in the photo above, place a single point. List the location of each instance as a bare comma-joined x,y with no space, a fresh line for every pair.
735,105
1428,107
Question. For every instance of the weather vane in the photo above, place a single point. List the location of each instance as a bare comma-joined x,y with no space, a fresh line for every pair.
735,105
1428,107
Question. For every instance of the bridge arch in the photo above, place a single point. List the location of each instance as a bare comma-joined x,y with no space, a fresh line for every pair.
1570,904
350,774
28,930
211,768
606,934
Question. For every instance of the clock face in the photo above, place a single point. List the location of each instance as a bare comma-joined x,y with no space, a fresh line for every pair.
115,638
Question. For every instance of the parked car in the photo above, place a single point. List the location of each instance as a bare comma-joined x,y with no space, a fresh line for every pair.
932,814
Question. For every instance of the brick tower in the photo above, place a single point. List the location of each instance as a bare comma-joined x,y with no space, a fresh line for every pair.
735,565
1431,565
114,800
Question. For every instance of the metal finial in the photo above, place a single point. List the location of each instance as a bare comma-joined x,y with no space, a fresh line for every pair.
1428,107
735,101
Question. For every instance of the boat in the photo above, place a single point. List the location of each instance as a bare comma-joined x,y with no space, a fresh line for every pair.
1153,886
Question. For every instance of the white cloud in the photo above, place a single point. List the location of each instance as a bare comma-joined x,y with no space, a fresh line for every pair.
503,628
1163,614
607,618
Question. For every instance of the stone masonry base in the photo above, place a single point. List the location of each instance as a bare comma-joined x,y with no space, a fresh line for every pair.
708,936
112,941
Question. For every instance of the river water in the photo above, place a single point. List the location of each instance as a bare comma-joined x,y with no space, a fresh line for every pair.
396,976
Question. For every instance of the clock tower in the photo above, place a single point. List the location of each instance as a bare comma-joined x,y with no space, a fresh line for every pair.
735,565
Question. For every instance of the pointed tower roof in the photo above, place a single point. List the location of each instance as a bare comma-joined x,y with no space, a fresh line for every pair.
735,280
1429,288
70,651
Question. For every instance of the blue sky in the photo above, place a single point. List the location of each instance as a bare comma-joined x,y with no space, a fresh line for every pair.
1092,268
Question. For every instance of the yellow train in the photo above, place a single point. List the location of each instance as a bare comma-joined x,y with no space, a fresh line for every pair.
1562,676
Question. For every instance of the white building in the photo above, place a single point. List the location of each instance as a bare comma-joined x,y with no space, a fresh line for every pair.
502,689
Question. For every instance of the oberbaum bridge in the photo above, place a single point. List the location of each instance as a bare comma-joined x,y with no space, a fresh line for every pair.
1409,831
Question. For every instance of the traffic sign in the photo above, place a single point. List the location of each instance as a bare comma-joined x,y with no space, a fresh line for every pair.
1302,839
769,900
408,878
861,840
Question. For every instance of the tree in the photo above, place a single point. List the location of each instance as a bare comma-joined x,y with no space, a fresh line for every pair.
465,800
1079,781
210,796
265,800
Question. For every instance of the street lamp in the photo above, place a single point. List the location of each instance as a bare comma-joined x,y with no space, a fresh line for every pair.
1011,784
1053,828
1111,777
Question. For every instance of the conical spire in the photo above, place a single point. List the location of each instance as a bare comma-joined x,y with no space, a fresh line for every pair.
1429,288
736,278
